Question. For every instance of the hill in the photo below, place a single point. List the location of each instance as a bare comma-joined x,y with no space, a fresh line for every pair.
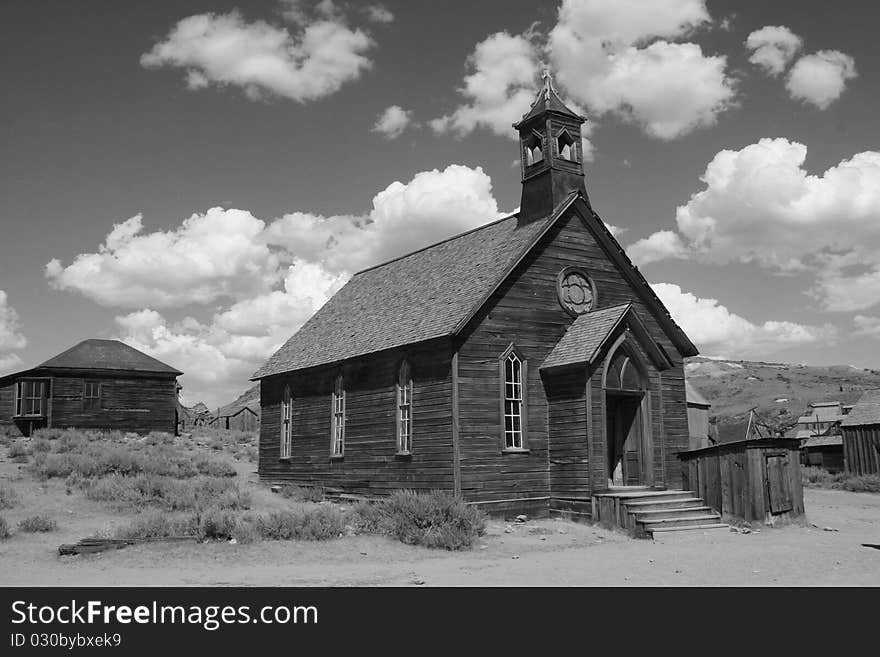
249,398
733,387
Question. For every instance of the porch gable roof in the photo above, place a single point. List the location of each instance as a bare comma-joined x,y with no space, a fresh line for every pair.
584,340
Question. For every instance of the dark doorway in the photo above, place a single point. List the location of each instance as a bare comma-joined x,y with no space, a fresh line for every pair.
627,427
624,432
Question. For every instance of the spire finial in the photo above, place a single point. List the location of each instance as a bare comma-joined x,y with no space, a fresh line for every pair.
548,80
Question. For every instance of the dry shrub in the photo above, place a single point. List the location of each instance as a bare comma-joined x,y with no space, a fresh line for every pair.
171,494
8,497
4,529
302,493
820,478
19,451
38,524
436,519
306,524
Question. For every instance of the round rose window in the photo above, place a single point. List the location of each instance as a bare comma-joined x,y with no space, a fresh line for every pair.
576,290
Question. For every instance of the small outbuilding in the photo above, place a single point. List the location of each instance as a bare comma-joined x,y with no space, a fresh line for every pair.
698,417
861,435
241,419
96,384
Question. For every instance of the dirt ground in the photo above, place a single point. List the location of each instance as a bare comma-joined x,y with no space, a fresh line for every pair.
538,552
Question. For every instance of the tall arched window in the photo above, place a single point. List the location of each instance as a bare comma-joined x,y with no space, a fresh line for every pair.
286,424
404,409
513,376
337,428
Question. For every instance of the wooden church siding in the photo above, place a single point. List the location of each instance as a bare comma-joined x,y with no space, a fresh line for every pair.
138,404
371,465
568,447
525,311
7,410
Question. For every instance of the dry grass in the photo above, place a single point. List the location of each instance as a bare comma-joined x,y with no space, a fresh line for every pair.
8,497
38,524
4,529
820,478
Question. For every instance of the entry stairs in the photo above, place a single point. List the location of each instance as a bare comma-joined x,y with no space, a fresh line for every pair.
650,513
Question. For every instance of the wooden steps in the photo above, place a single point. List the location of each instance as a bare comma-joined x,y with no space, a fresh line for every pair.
643,512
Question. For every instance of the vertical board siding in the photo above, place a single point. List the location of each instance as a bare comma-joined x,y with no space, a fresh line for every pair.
139,405
860,454
370,465
525,311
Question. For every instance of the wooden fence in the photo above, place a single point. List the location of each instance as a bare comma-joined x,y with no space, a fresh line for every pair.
747,480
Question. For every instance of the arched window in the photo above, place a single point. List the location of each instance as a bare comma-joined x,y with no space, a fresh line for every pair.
513,370
286,424
532,152
337,428
566,147
404,409
623,373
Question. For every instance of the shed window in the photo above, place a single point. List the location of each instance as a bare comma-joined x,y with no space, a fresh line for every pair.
286,424
91,396
337,428
513,400
30,398
404,409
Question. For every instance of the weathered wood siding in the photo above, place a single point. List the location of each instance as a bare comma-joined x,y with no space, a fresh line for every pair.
860,451
370,465
525,311
7,410
127,404
568,447
754,480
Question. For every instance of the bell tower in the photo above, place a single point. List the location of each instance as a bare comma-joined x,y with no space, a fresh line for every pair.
551,154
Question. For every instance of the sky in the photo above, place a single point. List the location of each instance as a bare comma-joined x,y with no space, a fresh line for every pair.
197,178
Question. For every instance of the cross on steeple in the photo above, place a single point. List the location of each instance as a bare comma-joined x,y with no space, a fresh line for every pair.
548,80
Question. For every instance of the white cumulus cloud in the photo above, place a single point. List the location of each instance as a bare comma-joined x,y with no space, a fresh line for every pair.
620,57
265,59
11,336
820,78
773,47
760,205
718,332
209,256
392,121
658,246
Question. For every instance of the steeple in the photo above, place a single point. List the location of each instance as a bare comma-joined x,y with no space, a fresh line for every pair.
551,155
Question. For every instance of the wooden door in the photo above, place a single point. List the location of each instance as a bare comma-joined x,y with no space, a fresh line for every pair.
632,447
778,484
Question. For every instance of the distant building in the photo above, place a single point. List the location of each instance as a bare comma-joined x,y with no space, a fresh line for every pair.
96,384
861,435
819,432
240,419
698,417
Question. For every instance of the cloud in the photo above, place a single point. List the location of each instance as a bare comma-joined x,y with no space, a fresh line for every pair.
820,78
604,59
379,14
264,59
393,121
499,88
869,326
432,206
209,256
232,257
773,47
11,336
760,205
658,246
217,358
718,332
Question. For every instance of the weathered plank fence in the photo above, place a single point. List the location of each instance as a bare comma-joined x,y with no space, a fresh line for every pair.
747,480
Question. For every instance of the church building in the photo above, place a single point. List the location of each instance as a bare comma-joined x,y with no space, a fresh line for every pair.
520,364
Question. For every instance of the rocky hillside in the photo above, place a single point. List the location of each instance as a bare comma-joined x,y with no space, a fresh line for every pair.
777,389
250,398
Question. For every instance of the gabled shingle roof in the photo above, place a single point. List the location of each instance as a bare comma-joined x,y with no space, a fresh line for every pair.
432,293
866,410
585,337
107,355
418,297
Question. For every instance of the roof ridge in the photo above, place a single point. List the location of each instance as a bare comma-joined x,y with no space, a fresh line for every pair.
433,244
